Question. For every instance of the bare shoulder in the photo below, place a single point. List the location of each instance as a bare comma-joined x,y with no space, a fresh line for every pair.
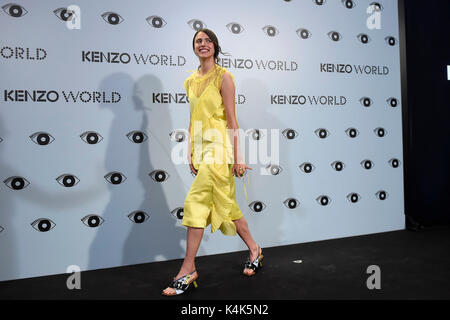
227,80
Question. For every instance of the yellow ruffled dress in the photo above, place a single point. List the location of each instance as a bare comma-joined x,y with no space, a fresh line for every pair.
211,198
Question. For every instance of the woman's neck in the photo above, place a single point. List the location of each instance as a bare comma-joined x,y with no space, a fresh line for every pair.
206,66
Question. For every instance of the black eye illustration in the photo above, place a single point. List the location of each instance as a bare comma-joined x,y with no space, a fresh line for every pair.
137,136
394,163
380,132
156,21
291,203
14,10
235,27
115,177
257,206
393,102
338,165
196,24
290,134
367,164
319,2
178,213
274,169
303,33
92,220
16,182
366,101
64,14
322,133
91,137
363,38
43,224
159,175
353,197
381,195
323,200
271,31
112,17
334,35
376,6
390,40
138,216
349,4
67,180
42,138
1,139
178,135
1,229
306,167
352,132
255,134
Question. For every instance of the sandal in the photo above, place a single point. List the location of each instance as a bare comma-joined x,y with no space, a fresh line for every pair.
254,265
183,283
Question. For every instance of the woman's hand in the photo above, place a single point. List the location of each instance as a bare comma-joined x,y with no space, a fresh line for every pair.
239,169
191,165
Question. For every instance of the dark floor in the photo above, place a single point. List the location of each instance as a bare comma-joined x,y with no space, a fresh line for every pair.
413,265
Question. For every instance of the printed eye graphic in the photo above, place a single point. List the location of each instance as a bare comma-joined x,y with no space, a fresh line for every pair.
271,31
319,2
367,164
42,138
366,101
92,220
112,17
43,224
257,206
393,102
322,133
255,134
381,195
338,165
291,203
274,169
1,229
380,132
91,137
138,216
67,180
376,6
196,24
394,163
14,10
16,182
390,40
178,135
353,197
290,134
1,139
349,4
303,33
178,213
64,14
334,35
159,175
156,21
235,27
307,167
363,38
352,132
323,200
115,177
137,136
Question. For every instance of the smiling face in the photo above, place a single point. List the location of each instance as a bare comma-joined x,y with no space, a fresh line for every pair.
203,46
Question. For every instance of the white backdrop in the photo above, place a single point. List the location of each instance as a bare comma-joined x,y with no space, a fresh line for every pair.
117,69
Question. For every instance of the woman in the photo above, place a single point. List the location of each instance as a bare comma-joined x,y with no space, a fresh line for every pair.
211,199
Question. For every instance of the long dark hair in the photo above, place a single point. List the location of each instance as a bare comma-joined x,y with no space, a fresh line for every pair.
215,41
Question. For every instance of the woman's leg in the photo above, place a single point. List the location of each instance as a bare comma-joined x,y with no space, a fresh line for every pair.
244,232
193,239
